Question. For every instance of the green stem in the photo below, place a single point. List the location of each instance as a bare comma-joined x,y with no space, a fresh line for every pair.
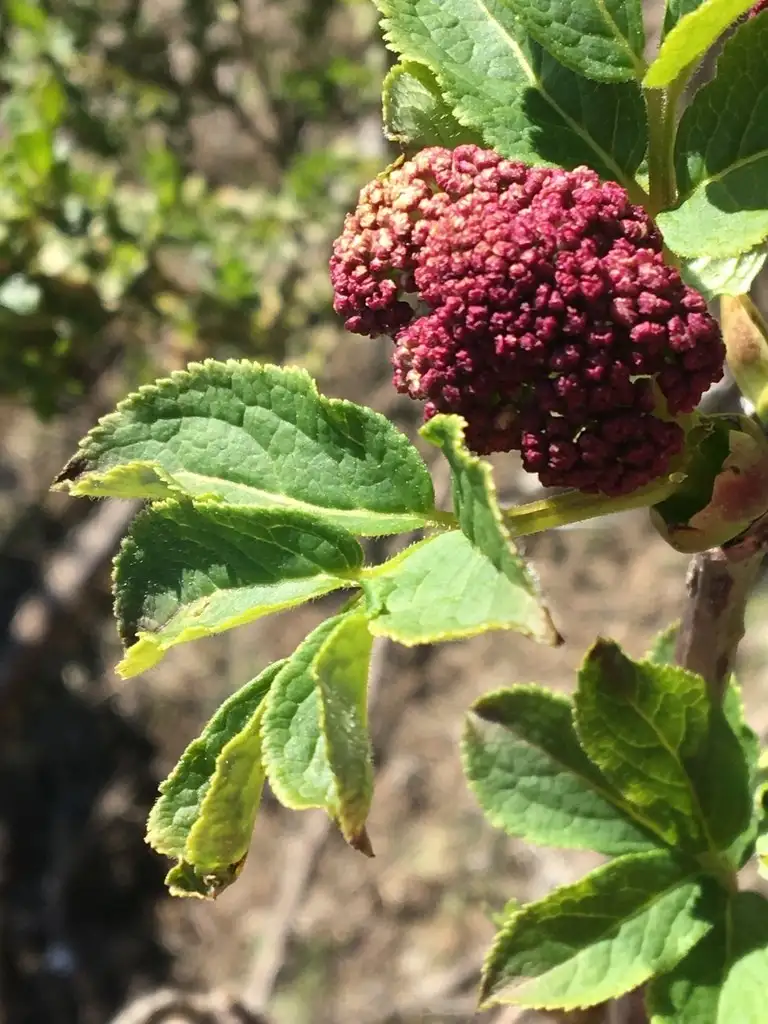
576,507
661,107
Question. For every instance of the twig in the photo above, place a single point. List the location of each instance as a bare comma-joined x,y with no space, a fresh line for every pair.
300,859
440,995
719,584
170,1006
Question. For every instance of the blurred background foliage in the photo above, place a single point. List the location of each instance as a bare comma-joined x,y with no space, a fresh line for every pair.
172,173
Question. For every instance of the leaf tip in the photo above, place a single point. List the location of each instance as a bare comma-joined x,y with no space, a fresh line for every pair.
608,657
75,468
556,637
361,841
139,657
184,879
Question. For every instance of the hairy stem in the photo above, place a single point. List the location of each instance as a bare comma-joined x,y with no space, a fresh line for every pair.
576,507
661,108
662,124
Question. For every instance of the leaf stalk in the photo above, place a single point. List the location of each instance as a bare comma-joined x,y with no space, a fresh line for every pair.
577,507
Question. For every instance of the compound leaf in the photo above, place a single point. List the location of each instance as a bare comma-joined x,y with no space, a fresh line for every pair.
521,100
445,589
602,39
188,570
524,764
256,435
207,806
722,155
599,938
639,722
480,518
696,27
316,745
415,113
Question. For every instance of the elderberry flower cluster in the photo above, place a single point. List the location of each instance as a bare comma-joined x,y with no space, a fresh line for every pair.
536,303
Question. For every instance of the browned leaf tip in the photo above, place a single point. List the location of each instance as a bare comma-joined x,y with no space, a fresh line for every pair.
76,466
361,841
614,665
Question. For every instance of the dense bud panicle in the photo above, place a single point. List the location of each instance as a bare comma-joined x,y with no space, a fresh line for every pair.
536,303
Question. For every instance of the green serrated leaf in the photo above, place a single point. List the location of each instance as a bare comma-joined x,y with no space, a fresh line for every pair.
295,757
733,708
722,981
690,994
256,435
523,102
415,113
720,775
207,806
697,26
341,671
602,39
662,650
732,275
523,762
480,518
188,570
639,722
722,154
599,938
445,589
724,769
677,9
315,737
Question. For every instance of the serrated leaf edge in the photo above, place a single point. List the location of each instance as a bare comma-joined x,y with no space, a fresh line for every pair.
534,81
87,449
486,1001
611,796
455,427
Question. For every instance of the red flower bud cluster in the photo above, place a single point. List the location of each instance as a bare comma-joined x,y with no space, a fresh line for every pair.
758,8
536,303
